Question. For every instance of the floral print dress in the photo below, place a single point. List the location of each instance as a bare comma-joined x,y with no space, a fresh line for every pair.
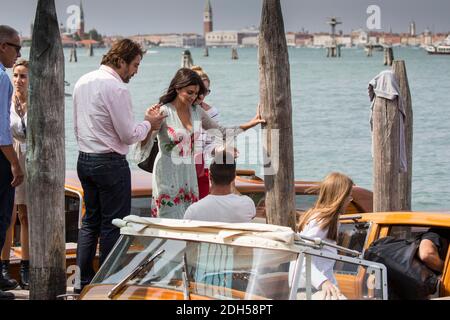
174,179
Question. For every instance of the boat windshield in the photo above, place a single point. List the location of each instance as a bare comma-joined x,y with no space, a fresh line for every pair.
213,270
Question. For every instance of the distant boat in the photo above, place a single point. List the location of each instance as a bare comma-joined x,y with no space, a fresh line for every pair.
443,48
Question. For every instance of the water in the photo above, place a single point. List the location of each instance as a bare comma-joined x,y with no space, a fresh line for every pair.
330,108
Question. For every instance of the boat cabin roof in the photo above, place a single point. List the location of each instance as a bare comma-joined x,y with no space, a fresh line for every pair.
263,236
416,218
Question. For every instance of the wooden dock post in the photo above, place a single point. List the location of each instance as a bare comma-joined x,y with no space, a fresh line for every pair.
405,179
91,50
386,155
388,56
206,52
276,104
73,54
369,49
234,54
45,162
186,59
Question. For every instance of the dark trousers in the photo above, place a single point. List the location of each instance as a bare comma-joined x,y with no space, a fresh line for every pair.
106,182
6,197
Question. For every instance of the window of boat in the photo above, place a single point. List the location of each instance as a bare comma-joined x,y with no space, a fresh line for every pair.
406,232
72,211
141,206
367,284
213,270
352,236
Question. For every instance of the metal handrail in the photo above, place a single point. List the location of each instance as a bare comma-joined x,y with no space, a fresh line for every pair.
320,242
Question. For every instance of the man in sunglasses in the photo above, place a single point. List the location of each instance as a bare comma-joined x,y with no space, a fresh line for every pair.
10,173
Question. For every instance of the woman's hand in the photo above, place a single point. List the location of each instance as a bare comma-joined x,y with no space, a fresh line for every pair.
330,291
255,121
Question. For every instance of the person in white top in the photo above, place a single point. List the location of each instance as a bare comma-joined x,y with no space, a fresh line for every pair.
322,221
221,204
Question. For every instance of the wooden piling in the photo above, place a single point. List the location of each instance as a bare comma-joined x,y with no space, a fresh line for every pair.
186,59
405,178
369,49
388,56
73,54
206,52
91,50
386,155
276,106
234,54
45,162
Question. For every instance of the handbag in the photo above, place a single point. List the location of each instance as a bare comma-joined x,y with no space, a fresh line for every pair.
147,164
408,277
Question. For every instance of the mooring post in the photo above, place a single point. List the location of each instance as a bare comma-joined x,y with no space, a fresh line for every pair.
234,54
45,162
405,178
186,59
386,154
73,54
206,52
388,56
276,105
91,50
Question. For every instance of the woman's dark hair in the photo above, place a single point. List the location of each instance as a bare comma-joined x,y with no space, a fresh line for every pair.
183,78
124,49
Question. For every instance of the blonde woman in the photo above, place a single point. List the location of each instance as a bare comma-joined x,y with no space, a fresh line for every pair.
322,221
19,108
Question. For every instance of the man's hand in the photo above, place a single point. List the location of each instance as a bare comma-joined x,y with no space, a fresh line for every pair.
155,117
17,175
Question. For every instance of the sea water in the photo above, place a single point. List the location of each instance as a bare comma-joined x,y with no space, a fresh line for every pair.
331,108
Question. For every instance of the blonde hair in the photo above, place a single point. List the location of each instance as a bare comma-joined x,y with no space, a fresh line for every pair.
21,62
199,70
333,193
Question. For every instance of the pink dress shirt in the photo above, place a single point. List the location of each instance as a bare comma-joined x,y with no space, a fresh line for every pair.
103,114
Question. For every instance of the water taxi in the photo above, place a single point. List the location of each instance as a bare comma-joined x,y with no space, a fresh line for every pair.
166,259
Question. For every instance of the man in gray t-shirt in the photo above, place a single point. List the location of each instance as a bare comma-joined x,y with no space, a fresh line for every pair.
222,204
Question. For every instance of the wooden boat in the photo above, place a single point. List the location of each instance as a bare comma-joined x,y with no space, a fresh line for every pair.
165,259
247,183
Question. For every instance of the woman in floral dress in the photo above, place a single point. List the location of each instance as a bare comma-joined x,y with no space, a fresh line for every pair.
174,179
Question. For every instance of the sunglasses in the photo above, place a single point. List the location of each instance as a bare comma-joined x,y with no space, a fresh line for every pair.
17,47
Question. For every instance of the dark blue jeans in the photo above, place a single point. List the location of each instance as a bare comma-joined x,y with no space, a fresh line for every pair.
106,182
6,197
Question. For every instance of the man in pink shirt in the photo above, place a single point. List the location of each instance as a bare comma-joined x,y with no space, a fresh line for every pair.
104,129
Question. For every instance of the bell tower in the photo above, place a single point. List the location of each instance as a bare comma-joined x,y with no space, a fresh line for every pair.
207,19
80,30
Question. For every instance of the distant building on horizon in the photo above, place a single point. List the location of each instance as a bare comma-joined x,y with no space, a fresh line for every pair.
412,29
207,19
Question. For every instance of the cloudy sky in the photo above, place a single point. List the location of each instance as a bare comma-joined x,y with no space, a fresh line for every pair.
129,17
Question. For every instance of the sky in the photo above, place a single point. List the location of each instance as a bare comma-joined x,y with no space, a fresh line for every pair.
131,17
